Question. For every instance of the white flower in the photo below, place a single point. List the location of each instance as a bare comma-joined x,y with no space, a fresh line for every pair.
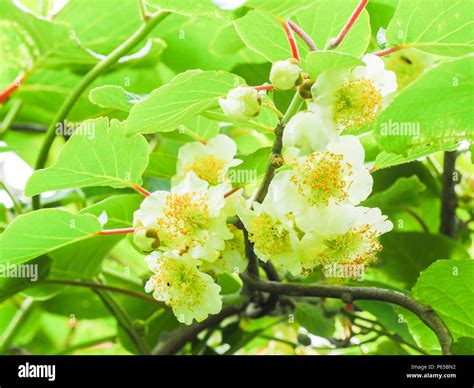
229,5
305,133
210,162
273,236
241,103
334,176
351,99
178,282
187,219
285,75
343,235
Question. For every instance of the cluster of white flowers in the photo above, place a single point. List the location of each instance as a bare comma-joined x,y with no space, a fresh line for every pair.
310,216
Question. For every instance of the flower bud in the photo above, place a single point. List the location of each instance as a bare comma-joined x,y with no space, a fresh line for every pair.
306,133
286,74
146,239
241,103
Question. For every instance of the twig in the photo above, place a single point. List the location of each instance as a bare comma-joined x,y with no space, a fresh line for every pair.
348,294
291,40
333,43
173,341
276,159
448,196
390,50
15,324
303,35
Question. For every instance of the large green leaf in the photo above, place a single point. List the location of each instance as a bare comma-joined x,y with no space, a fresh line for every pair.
443,27
34,234
447,286
406,254
184,97
98,154
433,111
190,8
405,192
318,61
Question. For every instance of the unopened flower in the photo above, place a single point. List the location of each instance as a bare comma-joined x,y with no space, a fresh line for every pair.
241,103
306,133
210,162
334,176
343,235
285,75
187,219
351,99
273,236
178,282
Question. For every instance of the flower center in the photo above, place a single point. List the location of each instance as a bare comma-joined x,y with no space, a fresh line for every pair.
178,284
207,168
321,177
268,236
357,103
357,246
184,214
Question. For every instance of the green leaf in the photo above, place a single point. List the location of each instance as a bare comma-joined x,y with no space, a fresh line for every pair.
115,97
405,192
312,318
440,27
162,165
98,154
34,234
318,61
447,287
11,285
322,21
190,8
433,111
282,8
263,34
184,97
406,254
252,168
387,159
463,346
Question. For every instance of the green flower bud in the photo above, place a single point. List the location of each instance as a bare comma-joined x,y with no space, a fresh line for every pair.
241,103
286,74
146,239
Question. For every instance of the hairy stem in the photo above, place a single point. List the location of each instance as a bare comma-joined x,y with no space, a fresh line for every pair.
448,196
333,43
276,159
348,294
94,73
172,342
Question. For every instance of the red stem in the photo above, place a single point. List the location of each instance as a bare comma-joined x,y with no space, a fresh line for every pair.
303,35
291,40
108,232
11,88
355,15
390,50
264,87
234,190
141,190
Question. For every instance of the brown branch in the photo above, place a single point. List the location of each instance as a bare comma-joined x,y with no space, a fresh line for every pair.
348,294
172,342
448,196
